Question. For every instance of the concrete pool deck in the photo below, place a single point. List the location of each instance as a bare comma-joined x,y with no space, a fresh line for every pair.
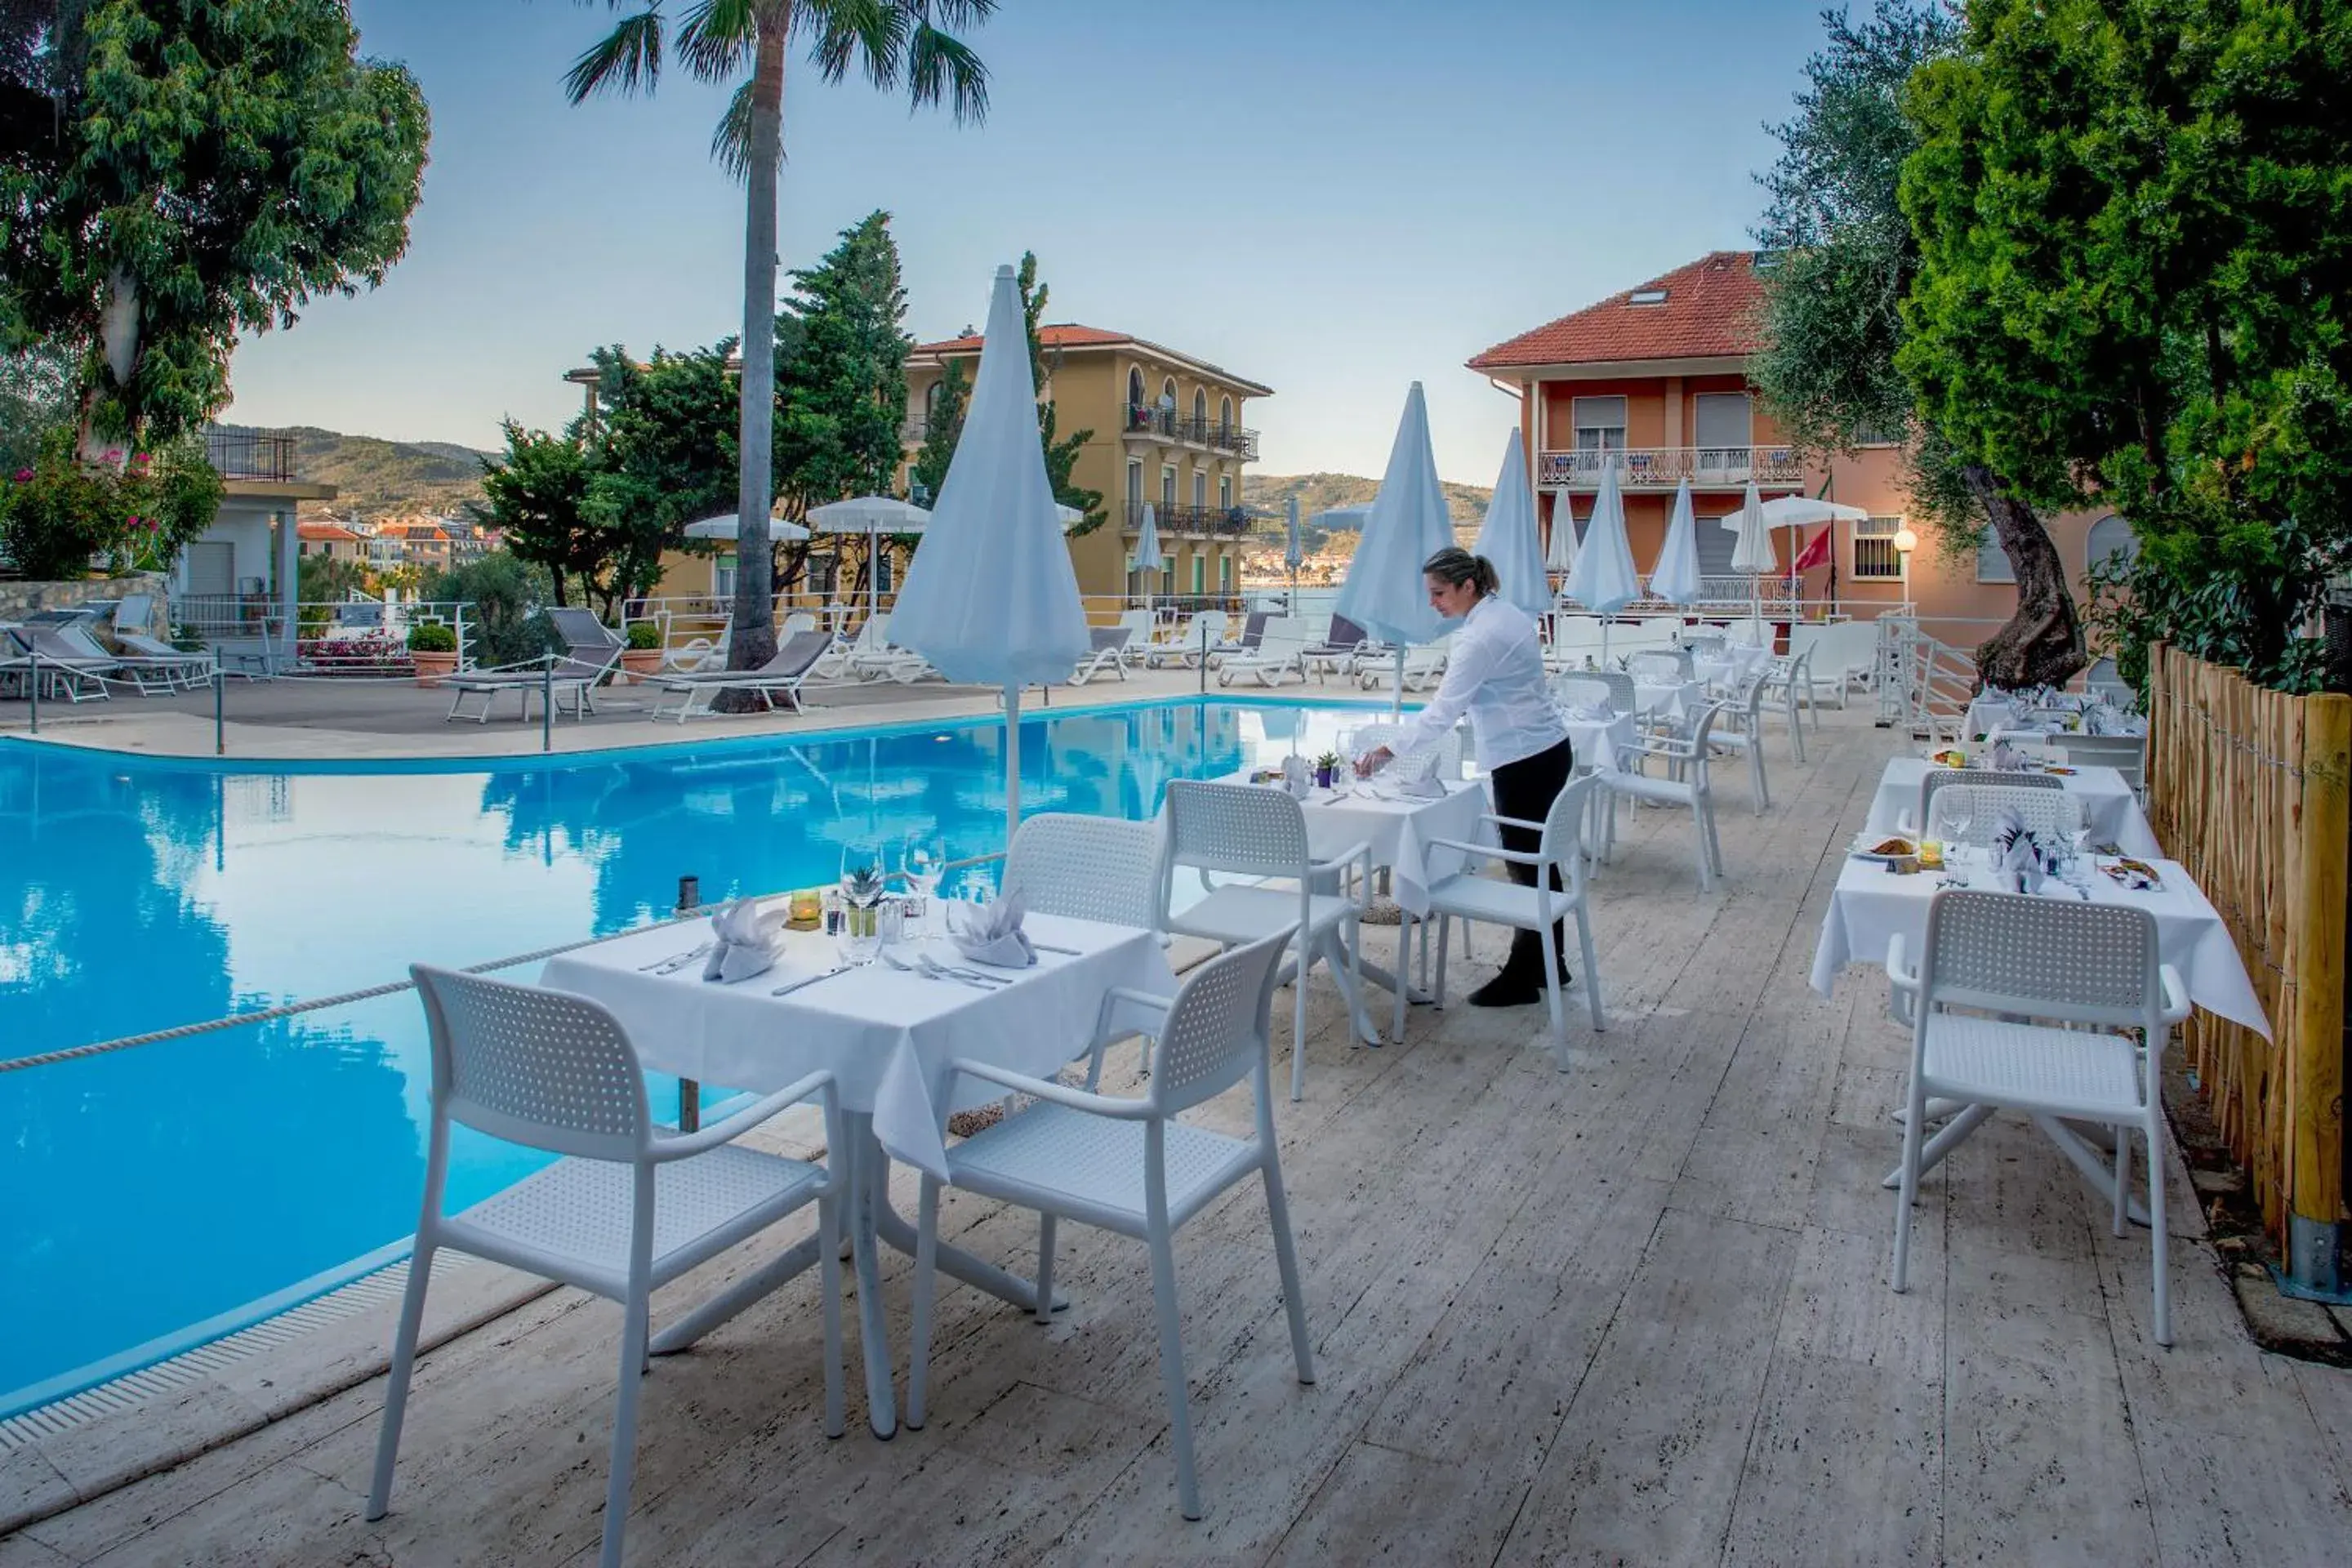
1635,1311
318,719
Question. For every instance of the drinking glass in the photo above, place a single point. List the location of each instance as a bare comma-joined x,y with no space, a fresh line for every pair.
1949,820
923,862
862,887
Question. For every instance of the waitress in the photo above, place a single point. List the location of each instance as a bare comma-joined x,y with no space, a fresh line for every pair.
1494,673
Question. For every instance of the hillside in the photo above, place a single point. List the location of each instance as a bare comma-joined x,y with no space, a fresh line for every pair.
1271,493
375,478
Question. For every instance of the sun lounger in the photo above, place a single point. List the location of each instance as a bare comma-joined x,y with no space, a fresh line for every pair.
1337,652
592,652
1109,652
1206,629
69,666
1425,667
1281,650
795,661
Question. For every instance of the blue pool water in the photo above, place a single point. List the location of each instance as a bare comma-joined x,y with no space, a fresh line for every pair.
155,1195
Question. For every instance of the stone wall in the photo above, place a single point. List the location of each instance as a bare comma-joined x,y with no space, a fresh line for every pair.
18,600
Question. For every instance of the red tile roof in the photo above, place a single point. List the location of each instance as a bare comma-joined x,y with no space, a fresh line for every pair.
1708,314
1066,335
335,532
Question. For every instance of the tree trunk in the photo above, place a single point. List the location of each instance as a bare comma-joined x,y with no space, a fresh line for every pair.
2043,643
752,640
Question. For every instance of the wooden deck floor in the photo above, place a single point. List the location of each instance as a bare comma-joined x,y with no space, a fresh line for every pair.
1634,1312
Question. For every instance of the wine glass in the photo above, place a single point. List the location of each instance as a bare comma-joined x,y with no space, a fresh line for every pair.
923,862
862,886
1950,820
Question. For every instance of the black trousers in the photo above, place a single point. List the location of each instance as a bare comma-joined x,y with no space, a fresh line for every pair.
1525,789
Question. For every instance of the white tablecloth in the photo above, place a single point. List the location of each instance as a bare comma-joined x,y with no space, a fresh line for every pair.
1595,741
1871,906
1669,698
1987,713
1397,830
1739,661
883,1034
2109,808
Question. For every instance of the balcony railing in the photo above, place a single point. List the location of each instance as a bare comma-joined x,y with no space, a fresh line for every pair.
1228,522
1198,430
238,453
1663,467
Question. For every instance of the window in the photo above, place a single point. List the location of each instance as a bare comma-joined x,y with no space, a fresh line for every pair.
1225,575
1224,492
1723,424
931,401
1168,394
1168,568
1135,387
885,570
1199,575
1167,484
1200,490
1225,414
1135,482
1200,410
1876,559
1646,297
722,576
1600,424
2110,536
1993,564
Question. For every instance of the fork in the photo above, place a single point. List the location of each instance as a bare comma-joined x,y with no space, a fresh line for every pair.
677,961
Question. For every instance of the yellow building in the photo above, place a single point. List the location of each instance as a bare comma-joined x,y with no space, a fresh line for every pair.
1167,428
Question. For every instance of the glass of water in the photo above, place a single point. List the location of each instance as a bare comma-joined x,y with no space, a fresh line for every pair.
922,862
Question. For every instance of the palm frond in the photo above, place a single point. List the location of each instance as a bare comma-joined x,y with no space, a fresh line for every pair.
717,39
627,59
964,15
730,144
940,66
870,33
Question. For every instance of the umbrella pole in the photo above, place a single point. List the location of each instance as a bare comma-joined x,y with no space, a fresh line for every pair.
1396,701
1012,764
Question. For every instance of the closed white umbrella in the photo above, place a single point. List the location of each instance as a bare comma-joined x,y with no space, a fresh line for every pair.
991,598
730,526
1146,559
1293,553
1404,526
1752,553
1560,558
1602,579
1675,579
1507,537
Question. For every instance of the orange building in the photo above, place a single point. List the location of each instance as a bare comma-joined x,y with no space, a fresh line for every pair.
1654,380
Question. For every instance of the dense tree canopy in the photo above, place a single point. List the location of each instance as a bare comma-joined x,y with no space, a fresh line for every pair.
841,353
173,172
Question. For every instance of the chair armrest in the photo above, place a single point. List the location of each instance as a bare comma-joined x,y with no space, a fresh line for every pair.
1120,997
1488,852
1361,852
1057,1093
2177,1005
1899,973
817,1085
1510,822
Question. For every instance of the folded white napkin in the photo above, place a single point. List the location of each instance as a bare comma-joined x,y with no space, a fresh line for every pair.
2020,865
746,943
991,934
2007,759
1591,712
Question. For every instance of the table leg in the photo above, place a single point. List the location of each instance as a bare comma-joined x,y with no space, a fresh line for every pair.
973,1269
868,1169
1948,1138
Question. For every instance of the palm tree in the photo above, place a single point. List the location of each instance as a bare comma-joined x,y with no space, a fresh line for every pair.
890,42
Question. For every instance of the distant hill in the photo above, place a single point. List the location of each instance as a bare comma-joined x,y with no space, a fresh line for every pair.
1269,494
375,478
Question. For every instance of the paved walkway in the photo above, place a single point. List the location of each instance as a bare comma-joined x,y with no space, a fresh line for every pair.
1634,1312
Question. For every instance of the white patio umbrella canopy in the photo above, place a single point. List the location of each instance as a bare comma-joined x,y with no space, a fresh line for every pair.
1804,512
1507,537
991,598
1675,577
1602,579
1752,552
1562,557
1405,525
730,526
872,516
1146,559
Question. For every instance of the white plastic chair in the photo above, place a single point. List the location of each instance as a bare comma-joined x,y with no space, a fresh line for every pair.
1281,651
1685,783
2048,812
2082,975
630,1208
1470,897
1616,689
1742,729
1940,779
1247,830
1663,666
1130,1166
1790,679
2127,754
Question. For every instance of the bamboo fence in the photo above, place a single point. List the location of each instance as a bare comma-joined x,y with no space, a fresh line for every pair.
2247,788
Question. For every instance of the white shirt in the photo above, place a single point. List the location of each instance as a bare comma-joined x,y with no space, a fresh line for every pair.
1495,672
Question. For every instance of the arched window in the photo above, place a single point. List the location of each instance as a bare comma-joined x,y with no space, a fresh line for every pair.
2110,536
931,401
1226,415
1134,388
1168,394
1199,409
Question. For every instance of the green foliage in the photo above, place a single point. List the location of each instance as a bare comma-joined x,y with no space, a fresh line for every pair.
1061,453
36,397
207,167
375,478
2135,222
643,636
59,513
503,594
840,356
941,431
536,493
322,581
663,454
432,636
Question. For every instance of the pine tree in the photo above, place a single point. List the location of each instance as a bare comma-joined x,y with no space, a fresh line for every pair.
944,429
1062,453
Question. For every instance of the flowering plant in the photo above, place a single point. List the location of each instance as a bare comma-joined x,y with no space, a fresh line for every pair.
61,516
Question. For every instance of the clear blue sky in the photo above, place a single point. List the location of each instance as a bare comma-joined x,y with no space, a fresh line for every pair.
1333,197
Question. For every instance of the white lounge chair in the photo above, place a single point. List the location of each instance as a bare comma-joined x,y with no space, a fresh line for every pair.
1281,651
69,665
592,652
875,657
785,674
1425,667
1107,652
1204,631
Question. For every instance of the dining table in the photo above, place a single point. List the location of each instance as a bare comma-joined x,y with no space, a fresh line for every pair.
2111,810
887,1034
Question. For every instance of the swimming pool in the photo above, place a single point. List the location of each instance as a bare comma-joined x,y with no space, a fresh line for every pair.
166,1194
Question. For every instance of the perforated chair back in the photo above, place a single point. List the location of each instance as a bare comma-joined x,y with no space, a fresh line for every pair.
1659,664
1620,685
1706,645
1241,829
2044,812
1446,754
1219,1029
543,1069
1086,867
1944,778
799,621
2045,958
1563,831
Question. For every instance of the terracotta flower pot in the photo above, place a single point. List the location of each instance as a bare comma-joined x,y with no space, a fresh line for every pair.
641,662
432,668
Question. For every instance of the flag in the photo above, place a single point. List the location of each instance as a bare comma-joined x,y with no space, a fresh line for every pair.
1817,554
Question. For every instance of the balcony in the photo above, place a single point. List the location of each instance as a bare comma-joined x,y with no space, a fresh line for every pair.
238,453
1663,467
1222,522
1145,422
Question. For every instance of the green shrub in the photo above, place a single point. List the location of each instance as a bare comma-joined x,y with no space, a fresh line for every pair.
58,515
432,636
644,635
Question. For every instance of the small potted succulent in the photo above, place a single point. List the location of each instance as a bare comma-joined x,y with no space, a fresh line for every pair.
861,912
1327,769
643,657
433,649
